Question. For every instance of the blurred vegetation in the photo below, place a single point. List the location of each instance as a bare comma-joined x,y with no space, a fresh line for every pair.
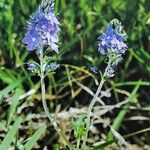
81,23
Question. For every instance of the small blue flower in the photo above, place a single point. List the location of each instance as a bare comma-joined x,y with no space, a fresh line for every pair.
51,66
31,67
110,72
95,69
112,44
32,39
45,25
111,41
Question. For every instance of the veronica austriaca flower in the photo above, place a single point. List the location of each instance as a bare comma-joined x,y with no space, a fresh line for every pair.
43,28
112,44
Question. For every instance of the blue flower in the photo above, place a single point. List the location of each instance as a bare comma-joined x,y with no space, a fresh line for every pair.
112,44
46,26
31,67
95,69
43,24
51,66
111,41
110,72
32,39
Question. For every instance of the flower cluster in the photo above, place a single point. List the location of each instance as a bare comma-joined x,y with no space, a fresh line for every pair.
112,40
112,44
51,66
34,67
43,28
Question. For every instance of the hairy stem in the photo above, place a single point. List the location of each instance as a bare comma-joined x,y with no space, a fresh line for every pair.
90,110
93,101
51,118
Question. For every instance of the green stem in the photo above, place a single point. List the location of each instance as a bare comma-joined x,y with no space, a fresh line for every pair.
93,101
51,118
90,110
78,144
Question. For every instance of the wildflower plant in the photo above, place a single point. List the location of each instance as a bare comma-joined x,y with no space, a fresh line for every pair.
42,35
112,46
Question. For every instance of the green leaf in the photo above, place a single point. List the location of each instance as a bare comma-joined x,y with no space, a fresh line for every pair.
137,132
7,76
118,120
132,83
79,127
32,141
14,102
8,89
9,138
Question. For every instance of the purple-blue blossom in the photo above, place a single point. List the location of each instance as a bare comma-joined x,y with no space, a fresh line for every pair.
51,66
111,41
112,44
110,72
31,67
95,69
43,28
32,39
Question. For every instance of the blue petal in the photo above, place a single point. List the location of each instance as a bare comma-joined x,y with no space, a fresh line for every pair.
26,39
31,47
95,69
43,24
109,31
34,33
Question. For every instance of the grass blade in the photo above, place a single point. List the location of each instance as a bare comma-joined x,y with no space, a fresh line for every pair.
11,135
132,83
8,89
118,120
14,103
32,141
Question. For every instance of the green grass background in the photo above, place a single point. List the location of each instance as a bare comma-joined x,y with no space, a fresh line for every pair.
81,23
